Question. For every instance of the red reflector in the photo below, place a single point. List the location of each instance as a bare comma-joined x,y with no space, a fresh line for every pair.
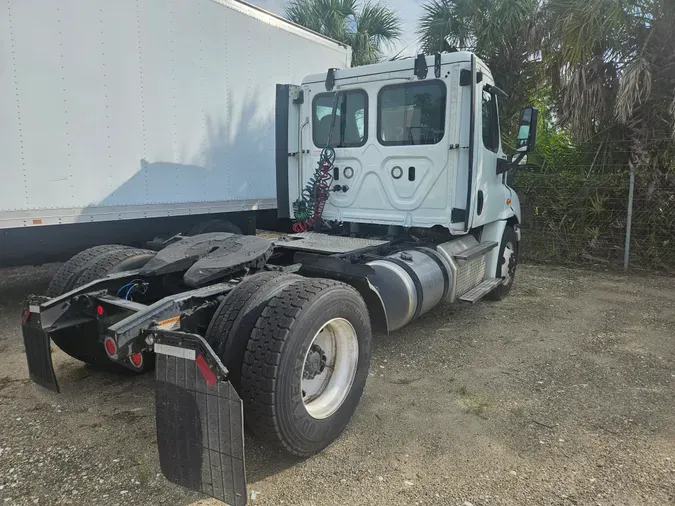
110,346
136,360
26,315
99,310
206,371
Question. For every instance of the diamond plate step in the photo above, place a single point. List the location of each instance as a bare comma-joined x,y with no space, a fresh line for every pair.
478,249
324,243
476,294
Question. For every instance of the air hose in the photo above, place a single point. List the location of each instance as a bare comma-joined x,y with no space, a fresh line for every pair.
308,209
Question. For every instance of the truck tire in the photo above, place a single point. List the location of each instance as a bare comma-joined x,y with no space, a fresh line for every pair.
507,263
68,273
81,342
120,260
235,318
306,365
208,226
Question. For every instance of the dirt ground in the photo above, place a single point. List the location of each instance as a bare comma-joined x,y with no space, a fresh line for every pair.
561,394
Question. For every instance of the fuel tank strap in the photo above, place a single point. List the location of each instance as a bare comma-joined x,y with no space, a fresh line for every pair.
446,278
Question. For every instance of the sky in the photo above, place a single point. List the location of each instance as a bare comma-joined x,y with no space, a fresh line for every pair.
409,10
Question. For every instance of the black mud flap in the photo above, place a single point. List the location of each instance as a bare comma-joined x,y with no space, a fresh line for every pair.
38,353
200,432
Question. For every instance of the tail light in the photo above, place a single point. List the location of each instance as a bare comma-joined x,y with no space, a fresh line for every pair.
110,346
136,360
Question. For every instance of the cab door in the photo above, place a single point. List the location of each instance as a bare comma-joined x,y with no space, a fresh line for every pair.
491,192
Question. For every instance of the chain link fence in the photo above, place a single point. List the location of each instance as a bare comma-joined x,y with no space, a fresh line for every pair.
576,206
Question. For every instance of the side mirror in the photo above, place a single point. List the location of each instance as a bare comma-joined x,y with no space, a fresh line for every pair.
527,130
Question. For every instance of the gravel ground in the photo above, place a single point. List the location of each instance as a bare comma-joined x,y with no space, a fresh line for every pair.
561,394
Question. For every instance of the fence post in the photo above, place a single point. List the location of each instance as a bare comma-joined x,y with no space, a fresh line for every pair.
629,217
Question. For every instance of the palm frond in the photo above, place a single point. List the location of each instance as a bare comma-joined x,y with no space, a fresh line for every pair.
303,13
634,88
671,111
381,24
367,30
443,23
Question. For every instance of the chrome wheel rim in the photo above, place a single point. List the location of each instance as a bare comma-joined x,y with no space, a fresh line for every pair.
507,259
329,368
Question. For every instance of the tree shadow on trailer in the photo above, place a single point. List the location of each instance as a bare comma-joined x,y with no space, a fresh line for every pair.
233,162
237,154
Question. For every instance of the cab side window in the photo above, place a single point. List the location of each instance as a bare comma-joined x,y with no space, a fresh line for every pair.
490,122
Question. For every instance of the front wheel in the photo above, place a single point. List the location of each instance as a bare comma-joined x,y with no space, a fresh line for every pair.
306,365
506,264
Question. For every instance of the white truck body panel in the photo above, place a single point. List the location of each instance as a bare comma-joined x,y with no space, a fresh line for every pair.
126,109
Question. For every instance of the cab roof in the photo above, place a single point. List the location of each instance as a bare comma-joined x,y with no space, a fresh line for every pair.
376,70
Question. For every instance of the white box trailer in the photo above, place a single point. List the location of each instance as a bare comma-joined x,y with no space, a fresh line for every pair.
156,111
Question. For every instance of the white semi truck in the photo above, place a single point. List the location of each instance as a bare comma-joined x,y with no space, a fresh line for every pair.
127,120
395,177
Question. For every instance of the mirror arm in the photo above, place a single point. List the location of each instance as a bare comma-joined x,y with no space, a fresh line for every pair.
491,88
509,163
515,161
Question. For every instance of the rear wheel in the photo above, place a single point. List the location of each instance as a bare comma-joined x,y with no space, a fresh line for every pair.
306,365
127,259
68,273
81,342
235,318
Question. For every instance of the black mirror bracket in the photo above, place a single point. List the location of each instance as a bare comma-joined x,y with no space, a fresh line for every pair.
506,164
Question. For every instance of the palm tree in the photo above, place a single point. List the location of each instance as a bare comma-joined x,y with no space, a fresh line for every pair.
613,64
368,29
502,32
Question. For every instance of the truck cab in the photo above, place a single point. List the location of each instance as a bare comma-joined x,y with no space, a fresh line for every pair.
415,146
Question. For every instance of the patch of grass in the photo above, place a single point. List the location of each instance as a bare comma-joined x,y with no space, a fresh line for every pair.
476,405
143,476
404,381
144,472
531,291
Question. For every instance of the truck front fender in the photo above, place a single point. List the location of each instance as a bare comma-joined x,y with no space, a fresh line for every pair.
513,209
